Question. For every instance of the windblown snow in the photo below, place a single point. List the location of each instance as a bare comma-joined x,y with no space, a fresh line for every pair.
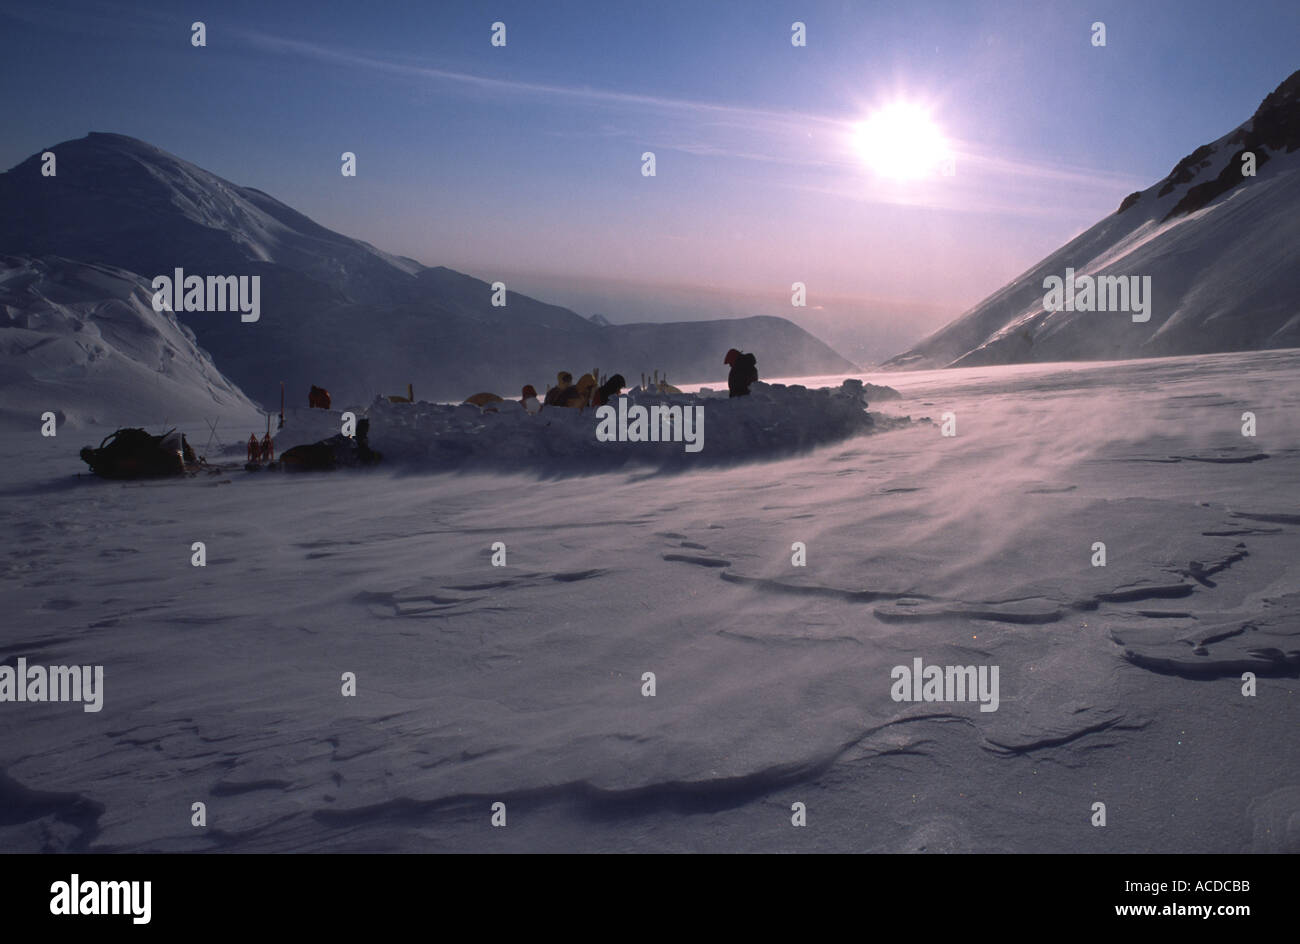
523,683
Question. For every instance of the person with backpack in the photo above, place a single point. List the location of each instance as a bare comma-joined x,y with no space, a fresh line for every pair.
744,371
607,391
580,395
560,393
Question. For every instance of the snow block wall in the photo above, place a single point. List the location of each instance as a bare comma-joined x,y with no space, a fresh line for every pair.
774,420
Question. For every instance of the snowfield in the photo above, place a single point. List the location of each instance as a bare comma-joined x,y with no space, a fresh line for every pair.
1119,684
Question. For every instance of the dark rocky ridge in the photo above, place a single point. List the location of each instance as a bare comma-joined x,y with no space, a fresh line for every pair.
1275,126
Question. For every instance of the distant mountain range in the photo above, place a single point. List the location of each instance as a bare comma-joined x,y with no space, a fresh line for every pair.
336,311
1219,248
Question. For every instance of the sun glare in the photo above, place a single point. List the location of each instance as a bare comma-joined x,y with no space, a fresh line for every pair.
901,142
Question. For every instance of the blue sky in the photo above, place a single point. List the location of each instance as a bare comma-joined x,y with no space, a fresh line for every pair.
526,159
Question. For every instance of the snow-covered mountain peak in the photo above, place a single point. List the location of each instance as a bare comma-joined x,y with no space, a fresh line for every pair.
122,201
1213,240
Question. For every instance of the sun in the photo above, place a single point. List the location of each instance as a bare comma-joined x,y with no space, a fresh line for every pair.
900,141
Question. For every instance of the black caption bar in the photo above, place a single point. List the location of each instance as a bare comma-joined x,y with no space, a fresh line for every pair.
167,893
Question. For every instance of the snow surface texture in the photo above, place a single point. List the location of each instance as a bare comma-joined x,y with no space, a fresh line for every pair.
522,684
83,341
1218,247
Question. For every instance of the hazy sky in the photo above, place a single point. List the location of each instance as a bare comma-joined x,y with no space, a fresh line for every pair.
527,158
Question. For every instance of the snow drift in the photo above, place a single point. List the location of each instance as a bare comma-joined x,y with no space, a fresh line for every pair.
83,341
